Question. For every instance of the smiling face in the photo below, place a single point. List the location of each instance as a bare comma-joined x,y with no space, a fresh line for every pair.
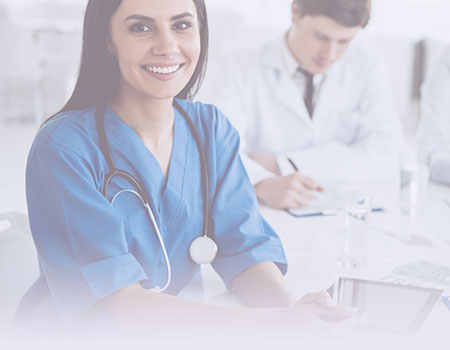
157,46
318,42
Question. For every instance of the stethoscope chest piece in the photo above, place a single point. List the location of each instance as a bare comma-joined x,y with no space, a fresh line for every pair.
203,250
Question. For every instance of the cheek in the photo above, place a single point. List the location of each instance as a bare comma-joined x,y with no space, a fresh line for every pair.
314,47
193,49
128,53
342,49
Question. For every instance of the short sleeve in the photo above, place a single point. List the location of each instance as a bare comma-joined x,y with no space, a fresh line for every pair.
79,236
244,238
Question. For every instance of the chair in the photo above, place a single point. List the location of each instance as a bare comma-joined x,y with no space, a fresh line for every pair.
19,266
41,43
433,51
16,73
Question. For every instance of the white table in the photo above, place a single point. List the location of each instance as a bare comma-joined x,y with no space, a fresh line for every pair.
314,239
310,246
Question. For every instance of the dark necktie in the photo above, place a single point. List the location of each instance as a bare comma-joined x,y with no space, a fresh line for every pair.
309,91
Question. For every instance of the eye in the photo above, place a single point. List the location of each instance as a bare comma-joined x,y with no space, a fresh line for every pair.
181,26
140,28
321,37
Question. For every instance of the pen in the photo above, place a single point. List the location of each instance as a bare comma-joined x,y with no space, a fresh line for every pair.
317,188
327,212
292,163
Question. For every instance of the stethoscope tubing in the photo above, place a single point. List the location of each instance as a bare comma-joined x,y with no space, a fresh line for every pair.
158,234
141,193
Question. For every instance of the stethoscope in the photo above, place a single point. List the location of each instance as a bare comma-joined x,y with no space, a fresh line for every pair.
202,249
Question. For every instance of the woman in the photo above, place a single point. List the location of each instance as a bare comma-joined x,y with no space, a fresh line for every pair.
103,254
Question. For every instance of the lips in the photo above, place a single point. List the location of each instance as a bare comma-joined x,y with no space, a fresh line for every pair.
162,69
321,64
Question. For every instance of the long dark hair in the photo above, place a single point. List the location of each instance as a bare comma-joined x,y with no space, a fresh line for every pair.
99,75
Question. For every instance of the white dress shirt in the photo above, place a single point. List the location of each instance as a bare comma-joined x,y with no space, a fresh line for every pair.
292,67
434,126
354,123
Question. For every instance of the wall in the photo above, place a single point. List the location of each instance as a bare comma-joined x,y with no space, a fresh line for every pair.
412,18
51,31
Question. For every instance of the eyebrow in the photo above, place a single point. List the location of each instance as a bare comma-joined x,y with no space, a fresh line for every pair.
150,19
317,31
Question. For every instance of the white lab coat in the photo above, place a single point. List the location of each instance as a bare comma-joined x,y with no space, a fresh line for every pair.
434,126
354,121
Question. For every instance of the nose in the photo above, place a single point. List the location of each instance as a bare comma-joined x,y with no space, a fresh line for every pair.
332,51
165,44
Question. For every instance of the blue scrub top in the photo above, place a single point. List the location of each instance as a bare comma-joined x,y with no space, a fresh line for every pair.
89,249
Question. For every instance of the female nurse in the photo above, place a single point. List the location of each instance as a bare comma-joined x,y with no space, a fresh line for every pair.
116,185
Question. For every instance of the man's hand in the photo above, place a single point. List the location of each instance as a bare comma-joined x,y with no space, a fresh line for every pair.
287,192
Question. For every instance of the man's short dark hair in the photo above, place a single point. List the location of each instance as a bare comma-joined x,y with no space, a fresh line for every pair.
350,13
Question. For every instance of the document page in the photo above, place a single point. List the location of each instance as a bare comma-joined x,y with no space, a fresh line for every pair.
421,274
325,203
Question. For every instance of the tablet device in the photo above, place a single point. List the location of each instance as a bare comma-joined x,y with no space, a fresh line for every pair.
385,307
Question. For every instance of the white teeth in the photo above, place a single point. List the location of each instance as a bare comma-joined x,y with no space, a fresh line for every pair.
162,70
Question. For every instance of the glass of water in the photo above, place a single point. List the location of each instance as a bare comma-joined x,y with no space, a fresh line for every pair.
353,219
413,188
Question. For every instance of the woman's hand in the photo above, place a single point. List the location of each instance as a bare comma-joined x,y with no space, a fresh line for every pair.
316,315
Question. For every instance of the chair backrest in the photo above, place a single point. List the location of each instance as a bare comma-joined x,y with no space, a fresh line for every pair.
41,46
19,266
16,72
401,56
433,51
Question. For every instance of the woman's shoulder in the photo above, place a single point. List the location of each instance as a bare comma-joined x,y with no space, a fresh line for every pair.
196,109
203,114
69,129
209,121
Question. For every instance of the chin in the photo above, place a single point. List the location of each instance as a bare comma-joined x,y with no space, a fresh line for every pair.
322,68
162,97
163,93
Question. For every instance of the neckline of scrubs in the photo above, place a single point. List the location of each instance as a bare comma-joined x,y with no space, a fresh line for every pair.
144,166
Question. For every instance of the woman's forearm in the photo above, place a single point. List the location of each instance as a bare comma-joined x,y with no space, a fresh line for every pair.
144,312
149,314
263,285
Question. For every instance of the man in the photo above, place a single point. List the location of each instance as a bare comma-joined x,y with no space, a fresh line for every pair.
313,99
434,127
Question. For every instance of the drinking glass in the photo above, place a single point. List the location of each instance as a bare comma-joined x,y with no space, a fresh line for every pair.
413,189
353,216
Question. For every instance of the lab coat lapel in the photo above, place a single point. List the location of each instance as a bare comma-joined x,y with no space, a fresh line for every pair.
329,96
289,96
285,88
